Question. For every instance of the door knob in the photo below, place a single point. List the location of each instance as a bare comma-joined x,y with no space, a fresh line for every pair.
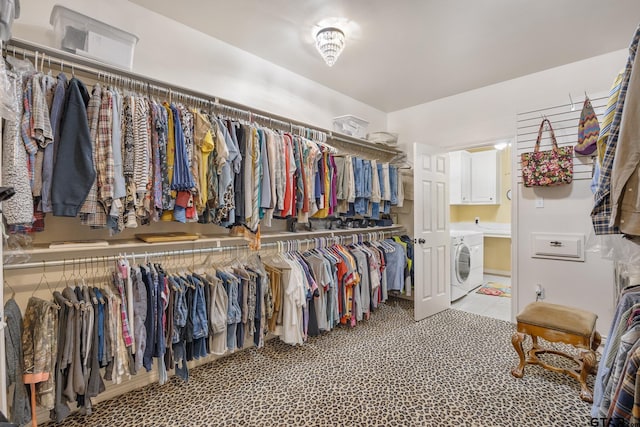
421,241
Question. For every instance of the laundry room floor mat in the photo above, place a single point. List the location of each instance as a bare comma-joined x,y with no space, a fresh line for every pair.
495,289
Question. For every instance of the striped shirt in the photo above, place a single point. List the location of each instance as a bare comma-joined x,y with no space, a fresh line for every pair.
141,159
156,135
182,178
610,111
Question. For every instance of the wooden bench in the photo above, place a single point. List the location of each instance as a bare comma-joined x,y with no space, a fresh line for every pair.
558,323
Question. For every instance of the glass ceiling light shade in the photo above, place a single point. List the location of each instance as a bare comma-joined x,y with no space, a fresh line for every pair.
330,43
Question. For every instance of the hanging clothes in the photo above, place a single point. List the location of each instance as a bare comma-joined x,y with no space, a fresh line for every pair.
20,403
603,220
39,346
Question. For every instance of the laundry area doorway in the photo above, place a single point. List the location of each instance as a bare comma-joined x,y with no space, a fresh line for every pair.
480,229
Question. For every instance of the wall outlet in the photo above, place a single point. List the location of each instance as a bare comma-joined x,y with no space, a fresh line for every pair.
477,220
539,292
539,202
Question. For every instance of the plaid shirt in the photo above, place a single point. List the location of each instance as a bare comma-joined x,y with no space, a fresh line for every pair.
90,206
626,407
104,152
628,345
41,124
126,329
601,213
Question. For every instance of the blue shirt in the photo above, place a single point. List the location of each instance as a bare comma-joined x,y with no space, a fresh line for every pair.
395,263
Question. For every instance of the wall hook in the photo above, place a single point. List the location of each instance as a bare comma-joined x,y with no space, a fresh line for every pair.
573,105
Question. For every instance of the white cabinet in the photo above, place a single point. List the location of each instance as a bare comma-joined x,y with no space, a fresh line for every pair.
460,177
474,178
485,177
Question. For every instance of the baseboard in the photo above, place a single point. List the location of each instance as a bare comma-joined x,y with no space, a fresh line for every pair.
497,272
401,296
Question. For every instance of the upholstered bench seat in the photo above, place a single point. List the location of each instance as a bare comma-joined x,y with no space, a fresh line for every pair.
558,323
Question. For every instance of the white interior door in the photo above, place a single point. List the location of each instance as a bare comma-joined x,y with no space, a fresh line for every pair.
431,224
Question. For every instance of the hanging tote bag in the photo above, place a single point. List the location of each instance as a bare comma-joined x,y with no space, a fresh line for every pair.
547,168
588,130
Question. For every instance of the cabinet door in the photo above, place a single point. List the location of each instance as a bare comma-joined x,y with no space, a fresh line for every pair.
484,177
455,177
459,177
465,176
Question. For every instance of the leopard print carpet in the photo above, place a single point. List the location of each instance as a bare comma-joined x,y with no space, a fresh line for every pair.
452,369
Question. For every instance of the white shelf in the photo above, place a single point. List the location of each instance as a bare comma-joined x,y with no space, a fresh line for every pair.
206,241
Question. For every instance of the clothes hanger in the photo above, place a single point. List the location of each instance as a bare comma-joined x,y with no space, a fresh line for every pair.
13,291
44,279
94,274
63,277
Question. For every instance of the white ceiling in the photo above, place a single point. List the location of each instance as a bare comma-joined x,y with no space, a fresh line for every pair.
402,53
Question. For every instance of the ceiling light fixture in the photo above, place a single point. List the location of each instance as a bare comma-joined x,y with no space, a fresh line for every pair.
330,43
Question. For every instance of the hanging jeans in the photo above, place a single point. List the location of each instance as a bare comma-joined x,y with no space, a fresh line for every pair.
199,319
393,179
234,314
360,204
179,322
366,183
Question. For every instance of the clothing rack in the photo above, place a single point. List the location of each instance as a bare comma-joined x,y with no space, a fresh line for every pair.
46,55
67,62
281,246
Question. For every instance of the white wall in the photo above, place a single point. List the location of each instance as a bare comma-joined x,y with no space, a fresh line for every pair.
487,114
172,52
588,285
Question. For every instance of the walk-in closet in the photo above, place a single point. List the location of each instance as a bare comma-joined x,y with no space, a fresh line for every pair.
301,213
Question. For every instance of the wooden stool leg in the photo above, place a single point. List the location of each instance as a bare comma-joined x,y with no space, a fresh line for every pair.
597,339
516,340
534,341
588,359
34,418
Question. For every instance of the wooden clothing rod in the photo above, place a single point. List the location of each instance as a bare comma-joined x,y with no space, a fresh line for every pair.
106,72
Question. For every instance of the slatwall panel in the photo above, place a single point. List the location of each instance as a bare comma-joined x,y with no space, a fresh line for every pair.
565,126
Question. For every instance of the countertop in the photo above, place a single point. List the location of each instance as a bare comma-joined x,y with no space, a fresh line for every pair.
489,229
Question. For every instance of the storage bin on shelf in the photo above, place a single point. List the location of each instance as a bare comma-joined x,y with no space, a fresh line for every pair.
350,125
88,37
386,138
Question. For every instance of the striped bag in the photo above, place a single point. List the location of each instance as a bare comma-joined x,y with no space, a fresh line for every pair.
588,130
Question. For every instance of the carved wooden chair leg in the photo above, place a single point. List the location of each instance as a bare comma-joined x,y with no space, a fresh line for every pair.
516,339
597,340
534,340
588,364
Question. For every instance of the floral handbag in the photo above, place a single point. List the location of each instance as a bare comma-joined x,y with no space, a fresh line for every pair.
546,168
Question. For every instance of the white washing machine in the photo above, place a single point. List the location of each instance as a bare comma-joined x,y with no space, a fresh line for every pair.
467,252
